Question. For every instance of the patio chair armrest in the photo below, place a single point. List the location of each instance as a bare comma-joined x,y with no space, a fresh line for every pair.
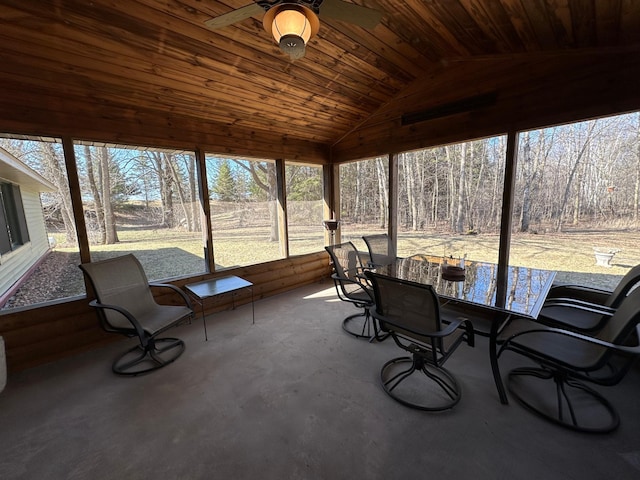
362,276
364,283
339,280
448,330
134,323
177,290
625,349
579,305
579,292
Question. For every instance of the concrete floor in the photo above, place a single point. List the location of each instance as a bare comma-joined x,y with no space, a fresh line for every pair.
291,397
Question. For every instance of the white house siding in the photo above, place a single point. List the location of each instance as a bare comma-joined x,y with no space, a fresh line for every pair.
13,265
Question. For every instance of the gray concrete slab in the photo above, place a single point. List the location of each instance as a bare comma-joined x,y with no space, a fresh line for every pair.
289,397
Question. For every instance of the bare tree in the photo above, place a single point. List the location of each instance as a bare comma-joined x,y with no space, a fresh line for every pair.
111,235
55,171
383,192
636,193
532,161
459,215
264,176
93,181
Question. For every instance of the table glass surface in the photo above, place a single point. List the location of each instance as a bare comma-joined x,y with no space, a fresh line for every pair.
217,286
526,291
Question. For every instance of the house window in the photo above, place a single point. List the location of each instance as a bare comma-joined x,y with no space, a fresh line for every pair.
13,223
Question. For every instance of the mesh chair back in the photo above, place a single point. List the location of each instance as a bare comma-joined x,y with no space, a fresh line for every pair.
346,260
411,307
120,281
380,249
623,321
628,282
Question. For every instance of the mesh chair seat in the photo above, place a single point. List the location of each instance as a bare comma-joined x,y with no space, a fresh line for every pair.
161,317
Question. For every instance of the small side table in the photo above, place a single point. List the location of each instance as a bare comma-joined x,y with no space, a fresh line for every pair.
200,291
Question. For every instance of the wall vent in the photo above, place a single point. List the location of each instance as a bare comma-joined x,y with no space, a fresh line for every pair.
459,106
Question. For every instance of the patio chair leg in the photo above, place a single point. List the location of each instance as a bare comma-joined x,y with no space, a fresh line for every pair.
351,326
153,354
567,404
423,397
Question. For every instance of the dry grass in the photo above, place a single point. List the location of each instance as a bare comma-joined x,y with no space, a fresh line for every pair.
170,253
570,254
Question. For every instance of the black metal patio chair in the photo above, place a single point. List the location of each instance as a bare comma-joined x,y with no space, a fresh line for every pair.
353,287
586,309
381,252
566,361
411,313
125,305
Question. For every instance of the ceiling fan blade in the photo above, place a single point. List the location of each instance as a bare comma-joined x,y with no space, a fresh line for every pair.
349,12
234,16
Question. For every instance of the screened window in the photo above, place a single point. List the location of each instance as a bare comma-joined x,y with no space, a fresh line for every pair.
364,199
304,209
52,231
577,194
244,210
143,201
450,200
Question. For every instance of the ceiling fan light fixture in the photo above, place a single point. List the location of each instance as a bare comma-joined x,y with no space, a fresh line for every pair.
292,26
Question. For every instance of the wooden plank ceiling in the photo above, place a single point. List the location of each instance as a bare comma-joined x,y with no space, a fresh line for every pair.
127,61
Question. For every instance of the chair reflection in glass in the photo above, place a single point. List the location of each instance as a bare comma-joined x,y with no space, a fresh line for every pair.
411,313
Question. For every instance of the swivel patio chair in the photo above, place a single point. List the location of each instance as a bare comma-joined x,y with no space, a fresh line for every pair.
411,313
353,287
381,252
125,305
556,388
585,309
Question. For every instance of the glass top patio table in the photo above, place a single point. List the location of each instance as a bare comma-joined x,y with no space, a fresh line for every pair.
526,290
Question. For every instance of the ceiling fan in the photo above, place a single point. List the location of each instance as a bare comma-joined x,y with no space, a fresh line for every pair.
294,22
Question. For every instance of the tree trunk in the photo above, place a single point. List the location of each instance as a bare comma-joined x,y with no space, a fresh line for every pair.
567,189
111,235
459,222
170,162
410,178
57,174
636,195
383,193
97,198
436,193
195,210
576,200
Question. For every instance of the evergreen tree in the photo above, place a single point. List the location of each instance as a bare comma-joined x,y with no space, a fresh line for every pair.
225,187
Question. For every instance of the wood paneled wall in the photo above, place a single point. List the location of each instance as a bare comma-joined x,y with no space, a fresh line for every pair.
530,92
40,335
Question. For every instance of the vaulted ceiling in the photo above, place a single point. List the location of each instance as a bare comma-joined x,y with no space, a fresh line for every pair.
150,71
